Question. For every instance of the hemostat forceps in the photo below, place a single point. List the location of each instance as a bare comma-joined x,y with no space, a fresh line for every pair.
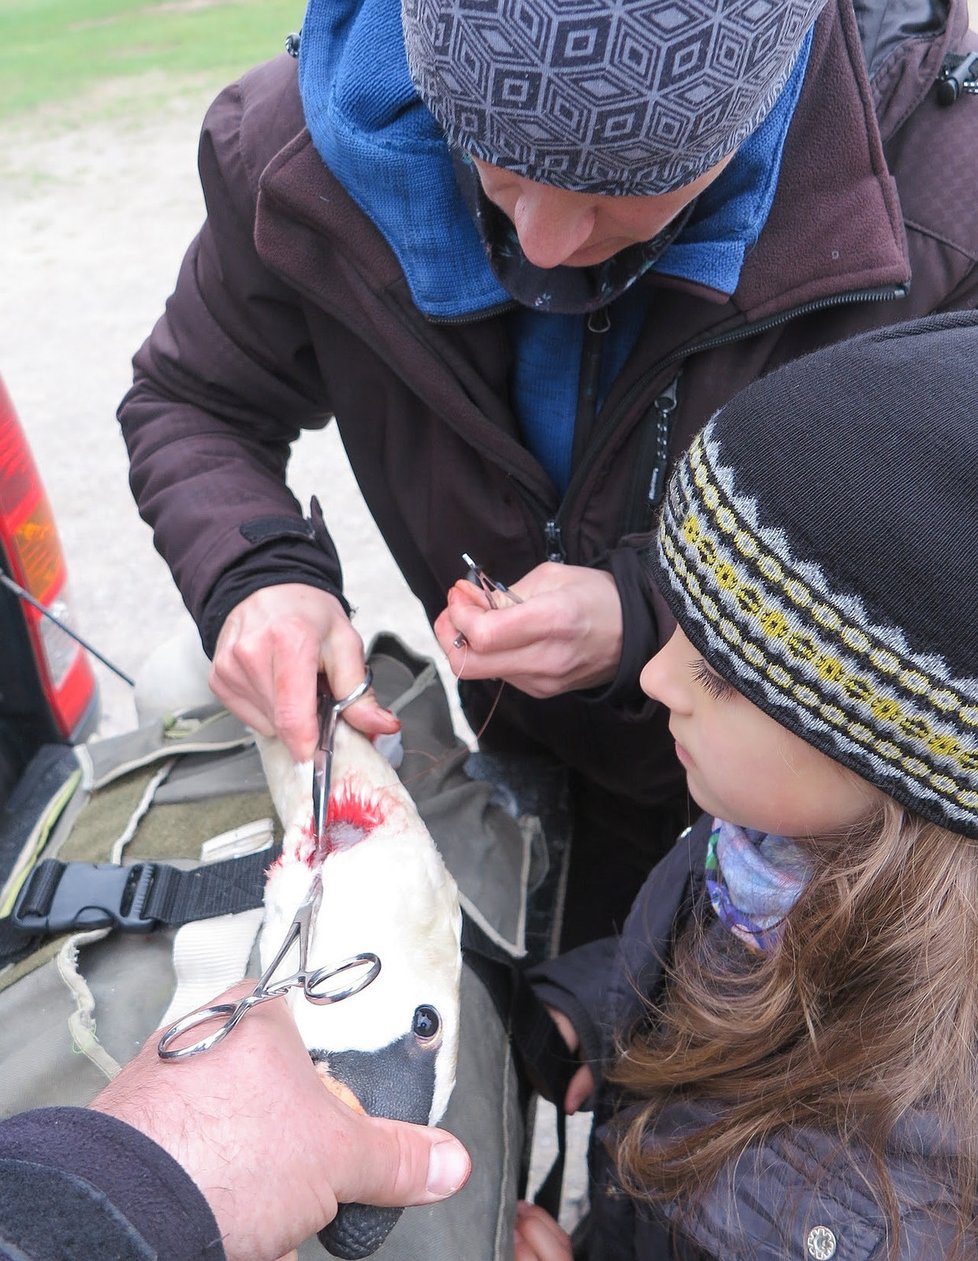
322,763
492,589
317,985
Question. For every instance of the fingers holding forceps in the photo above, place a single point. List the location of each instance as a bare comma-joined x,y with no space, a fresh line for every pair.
323,985
497,594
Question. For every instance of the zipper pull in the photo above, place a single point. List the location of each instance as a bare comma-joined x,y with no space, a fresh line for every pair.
959,73
555,544
664,406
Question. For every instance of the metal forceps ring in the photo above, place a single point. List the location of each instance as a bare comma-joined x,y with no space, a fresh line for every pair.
322,765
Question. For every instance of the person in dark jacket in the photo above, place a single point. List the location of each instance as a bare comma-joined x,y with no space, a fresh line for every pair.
521,263
785,1035
240,1153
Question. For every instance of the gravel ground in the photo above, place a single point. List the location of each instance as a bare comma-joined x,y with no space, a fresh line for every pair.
96,218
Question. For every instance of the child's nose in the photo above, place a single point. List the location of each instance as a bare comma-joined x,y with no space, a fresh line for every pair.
661,680
650,678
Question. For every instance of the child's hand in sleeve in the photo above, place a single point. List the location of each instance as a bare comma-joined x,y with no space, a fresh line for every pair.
581,1085
537,1236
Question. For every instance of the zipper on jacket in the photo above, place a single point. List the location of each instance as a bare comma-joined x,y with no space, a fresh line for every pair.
664,406
597,326
554,540
636,515
959,74
648,487
886,293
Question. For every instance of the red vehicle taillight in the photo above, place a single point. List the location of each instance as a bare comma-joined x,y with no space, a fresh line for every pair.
30,542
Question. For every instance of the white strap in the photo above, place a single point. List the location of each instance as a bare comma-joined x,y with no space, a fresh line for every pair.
211,954
81,1021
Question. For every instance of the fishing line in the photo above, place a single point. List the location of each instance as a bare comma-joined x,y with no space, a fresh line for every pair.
499,691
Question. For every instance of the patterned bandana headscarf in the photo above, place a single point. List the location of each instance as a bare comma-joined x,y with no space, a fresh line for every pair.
625,97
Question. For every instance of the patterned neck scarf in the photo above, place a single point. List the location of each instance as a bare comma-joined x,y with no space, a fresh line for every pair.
753,879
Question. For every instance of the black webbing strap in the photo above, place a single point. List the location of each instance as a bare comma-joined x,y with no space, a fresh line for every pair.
137,897
540,1050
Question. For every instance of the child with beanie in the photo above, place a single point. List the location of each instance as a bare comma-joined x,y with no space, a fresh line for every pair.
782,1047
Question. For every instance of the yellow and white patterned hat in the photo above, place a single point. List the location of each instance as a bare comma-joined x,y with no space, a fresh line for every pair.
818,545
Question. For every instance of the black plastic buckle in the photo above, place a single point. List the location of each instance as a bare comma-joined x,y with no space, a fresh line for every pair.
58,897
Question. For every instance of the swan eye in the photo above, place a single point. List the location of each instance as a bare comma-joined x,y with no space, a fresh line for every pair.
426,1023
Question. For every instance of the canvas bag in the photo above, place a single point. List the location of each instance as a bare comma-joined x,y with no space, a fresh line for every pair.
83,1003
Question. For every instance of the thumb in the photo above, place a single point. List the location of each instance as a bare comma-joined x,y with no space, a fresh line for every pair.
579,1089
345,675
394,1164
464,593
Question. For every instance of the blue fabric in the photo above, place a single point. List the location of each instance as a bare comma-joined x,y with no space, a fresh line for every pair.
379,140
374,134
544,386
546,374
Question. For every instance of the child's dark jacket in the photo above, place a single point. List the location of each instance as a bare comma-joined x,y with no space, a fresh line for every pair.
775,1204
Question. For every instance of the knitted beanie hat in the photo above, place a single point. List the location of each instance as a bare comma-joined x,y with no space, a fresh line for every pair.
603,96
818,544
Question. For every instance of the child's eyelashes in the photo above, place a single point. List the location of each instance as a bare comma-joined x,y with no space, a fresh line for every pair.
711,682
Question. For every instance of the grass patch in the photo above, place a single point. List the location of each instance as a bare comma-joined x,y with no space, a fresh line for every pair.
61,52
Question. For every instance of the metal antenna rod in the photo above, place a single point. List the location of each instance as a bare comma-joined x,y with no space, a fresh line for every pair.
26,595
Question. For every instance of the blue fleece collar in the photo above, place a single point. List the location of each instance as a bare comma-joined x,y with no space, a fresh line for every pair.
372,131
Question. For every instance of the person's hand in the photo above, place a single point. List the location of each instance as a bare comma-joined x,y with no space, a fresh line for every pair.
268,1145
270,649
581,1085
566,633
537,1237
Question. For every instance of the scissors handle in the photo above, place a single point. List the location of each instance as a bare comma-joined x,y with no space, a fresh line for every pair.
318,988
329,714
232,1013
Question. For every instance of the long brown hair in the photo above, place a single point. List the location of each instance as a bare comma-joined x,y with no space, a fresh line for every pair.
865,1010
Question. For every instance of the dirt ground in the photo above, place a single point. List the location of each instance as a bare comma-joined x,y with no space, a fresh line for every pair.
96,218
